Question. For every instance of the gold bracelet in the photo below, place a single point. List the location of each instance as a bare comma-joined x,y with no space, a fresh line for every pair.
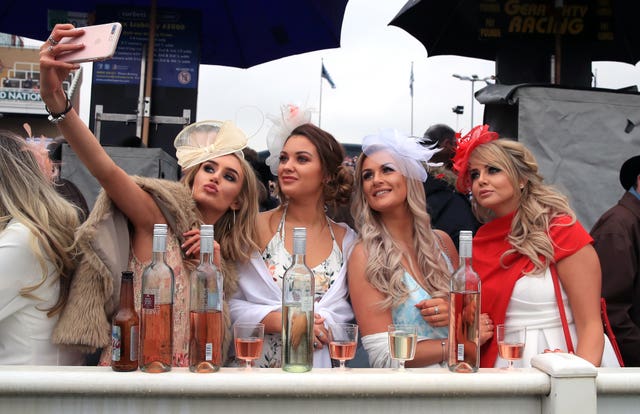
444,353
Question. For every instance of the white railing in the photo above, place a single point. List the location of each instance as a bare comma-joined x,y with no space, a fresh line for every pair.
559,385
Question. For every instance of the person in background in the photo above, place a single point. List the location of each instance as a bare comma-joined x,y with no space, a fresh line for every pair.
37,258
442,137
307,161
266,201
450,211
529,232
64,187
218,187
617,240
400,268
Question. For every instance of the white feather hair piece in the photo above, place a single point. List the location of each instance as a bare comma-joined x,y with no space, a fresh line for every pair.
291,117
414,157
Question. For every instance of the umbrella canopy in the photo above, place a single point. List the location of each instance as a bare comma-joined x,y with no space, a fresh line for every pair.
237,33
601,30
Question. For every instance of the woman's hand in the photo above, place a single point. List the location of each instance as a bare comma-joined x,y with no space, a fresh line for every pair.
321,333
298,328
434,311
53,72
191,246
486,328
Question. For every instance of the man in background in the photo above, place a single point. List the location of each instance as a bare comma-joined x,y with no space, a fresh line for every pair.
617,241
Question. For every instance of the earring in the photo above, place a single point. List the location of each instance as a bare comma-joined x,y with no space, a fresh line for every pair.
234,217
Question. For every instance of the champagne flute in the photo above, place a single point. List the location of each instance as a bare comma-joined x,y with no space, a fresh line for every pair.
343,338
402,343
248,341
511,340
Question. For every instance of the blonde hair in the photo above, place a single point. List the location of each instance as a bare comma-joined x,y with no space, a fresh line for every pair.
236,231
539,203
29,197
384,265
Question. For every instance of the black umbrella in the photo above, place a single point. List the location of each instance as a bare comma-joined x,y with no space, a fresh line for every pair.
238,33
579,30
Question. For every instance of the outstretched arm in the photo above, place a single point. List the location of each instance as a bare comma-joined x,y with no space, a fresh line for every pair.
136,204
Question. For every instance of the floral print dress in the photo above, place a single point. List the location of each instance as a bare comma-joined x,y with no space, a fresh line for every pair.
278,259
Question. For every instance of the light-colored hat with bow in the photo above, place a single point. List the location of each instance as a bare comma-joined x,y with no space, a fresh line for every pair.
206,140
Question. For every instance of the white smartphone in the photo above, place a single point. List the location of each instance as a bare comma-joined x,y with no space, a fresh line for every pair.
100,42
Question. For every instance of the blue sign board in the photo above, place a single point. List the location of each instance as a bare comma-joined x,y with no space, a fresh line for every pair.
176,52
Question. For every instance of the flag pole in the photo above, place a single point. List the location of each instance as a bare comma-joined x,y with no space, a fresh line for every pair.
411,90
320,105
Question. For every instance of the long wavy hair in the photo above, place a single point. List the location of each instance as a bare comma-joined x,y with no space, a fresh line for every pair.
539,203
28,196
384,268
236,232
337,188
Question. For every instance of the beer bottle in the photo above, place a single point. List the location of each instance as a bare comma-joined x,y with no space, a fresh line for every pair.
125,329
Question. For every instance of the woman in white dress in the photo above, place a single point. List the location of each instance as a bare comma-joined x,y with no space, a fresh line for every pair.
529,232
37,257
308,163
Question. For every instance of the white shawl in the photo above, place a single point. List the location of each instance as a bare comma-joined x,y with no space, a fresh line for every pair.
258,295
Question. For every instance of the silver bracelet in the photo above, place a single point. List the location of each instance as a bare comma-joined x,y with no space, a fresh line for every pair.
444,353
57,118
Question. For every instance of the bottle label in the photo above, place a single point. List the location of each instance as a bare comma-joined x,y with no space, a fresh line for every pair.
306,303
116,343
212,301
208,349
133,341
148,301
460,353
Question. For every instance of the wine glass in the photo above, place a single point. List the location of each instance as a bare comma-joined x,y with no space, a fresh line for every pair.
343,339
402,343
511,340
248,341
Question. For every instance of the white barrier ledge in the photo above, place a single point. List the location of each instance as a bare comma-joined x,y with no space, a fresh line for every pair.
68,390
619,381
233,382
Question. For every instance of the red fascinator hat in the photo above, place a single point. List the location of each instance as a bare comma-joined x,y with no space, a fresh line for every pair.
465,146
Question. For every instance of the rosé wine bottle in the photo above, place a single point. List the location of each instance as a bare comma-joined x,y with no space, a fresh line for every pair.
205,341
156,331
464,312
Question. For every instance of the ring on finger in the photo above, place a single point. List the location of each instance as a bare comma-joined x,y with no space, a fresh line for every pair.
50,50
321,334
436,310
53,41
315,344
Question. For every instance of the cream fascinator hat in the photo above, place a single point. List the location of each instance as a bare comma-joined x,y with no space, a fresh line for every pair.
412,157
206,140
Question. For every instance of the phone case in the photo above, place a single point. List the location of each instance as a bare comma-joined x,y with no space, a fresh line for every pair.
100,43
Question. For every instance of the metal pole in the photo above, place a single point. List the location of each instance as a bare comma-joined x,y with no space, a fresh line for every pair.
320,104
412,99
473,84
146,114
473,79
